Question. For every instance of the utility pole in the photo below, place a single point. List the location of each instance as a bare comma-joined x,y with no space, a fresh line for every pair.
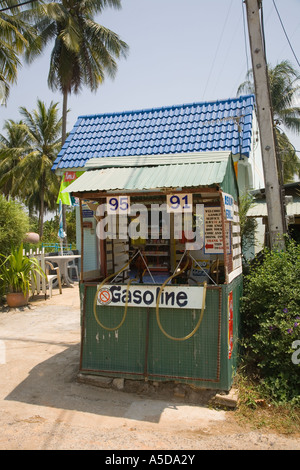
276,216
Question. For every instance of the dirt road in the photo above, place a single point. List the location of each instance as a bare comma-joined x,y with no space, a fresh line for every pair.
43,407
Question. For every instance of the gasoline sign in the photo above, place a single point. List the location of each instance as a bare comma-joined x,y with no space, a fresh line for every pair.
146,296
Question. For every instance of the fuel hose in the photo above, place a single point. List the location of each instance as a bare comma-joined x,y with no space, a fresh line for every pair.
157,308
126,301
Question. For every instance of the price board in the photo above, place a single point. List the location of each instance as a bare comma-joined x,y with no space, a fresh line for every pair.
213,241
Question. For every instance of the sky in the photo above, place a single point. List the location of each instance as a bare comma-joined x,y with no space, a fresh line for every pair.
180,51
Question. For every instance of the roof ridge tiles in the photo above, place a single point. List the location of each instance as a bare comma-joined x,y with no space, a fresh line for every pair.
168,129
163,108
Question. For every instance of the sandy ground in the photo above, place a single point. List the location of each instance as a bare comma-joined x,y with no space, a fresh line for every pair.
43,407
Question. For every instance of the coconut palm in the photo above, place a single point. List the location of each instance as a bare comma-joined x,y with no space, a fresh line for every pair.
13,146
83,51
284,86
37,183
15,36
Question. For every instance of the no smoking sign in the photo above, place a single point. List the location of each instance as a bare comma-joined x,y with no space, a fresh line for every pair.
104,296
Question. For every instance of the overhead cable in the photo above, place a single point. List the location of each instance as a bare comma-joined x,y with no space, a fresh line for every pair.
286,35
17,5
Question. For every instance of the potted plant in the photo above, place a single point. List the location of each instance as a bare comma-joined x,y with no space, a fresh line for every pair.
16,273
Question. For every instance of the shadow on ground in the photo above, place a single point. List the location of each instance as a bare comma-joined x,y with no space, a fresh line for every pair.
52,383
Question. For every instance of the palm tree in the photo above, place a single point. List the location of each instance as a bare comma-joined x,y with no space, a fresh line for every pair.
83,52
15,36
284,86
13,147
39,185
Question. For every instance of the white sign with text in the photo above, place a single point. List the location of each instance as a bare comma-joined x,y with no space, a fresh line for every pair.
146,296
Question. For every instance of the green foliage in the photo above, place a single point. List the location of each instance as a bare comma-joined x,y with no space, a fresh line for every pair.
16,271
14,224
84,51
27,154
271,322
15,36
71,226
51,227
248,225
284,88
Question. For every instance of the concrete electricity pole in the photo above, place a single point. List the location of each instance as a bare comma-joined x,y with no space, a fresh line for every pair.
276,216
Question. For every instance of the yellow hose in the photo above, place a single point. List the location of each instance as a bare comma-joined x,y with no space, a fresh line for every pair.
157,309
126,303
157,303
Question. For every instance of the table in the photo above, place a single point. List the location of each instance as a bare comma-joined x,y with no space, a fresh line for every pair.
62,261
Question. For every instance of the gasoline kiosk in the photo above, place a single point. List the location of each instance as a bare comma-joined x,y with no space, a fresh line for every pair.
163,304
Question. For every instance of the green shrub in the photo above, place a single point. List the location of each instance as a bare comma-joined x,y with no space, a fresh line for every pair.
16,271
14,224
271,322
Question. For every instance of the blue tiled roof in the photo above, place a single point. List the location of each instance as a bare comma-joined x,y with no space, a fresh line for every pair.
195,127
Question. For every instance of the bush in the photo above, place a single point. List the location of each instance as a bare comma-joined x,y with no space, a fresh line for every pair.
271,322
51,227
14,224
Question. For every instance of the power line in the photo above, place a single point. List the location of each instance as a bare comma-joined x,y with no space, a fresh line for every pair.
217,50
17,6
286,33
245,36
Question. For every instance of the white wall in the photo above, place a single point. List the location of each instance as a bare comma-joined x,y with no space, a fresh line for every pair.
90,245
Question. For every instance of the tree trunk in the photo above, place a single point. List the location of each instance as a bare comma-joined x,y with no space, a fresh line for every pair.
63,138
64,117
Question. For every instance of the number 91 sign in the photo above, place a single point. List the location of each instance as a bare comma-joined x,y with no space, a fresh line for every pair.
179,203
118,204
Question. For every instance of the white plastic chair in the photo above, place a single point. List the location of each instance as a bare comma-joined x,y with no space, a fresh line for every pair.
72,265
51,278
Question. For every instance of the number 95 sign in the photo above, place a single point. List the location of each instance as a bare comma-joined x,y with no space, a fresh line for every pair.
118,204
179,203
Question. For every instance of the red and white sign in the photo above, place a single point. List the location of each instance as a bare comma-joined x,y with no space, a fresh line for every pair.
104,296
69,176
230,324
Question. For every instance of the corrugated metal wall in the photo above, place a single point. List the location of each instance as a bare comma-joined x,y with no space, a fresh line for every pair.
139,349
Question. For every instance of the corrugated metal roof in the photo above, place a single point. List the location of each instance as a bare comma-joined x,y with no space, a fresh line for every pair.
153,160
151,177
259,208
187,128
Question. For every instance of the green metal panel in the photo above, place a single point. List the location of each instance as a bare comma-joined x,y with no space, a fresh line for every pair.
229,182
139,349
120,351
195,360
229,366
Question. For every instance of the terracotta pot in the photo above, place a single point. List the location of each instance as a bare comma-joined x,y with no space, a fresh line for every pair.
17,299
32,237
